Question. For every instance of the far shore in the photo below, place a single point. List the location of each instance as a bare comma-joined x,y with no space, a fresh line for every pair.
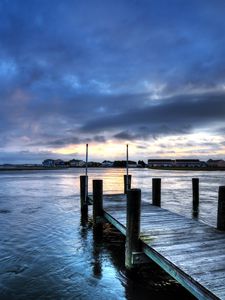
30,168
33,168
188,168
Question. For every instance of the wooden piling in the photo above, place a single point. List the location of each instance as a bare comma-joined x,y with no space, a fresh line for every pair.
221,209
195,194
83,195
156,191
97,201
132,226
127,183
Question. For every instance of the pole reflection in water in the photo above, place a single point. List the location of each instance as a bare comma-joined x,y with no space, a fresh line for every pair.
84,220
97,250
195,214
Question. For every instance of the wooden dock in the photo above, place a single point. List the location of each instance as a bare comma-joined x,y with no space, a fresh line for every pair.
193,253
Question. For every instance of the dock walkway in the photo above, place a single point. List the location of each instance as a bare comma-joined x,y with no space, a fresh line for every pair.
191,252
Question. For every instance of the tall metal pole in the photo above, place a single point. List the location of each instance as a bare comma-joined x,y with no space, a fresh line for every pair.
86,173
127,171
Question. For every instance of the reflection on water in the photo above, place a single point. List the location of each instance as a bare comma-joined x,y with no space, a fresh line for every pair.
147,281
46,251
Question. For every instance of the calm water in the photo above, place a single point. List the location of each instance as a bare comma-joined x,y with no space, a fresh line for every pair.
45,253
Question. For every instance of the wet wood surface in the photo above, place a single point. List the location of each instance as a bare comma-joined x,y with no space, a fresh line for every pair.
192,252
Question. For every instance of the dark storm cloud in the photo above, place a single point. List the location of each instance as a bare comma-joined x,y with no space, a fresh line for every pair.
69,140
169,116
119,43
154,131
70,69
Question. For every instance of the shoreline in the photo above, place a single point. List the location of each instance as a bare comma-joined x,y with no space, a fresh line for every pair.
187,169
30,168
41,168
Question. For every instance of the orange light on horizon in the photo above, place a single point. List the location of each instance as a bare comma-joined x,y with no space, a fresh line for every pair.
109,150
192,145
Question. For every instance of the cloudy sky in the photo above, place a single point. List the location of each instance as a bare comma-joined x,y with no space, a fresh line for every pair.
148,73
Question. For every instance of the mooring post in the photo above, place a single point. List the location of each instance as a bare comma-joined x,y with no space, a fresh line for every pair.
127,183
97,201
83,195
156,191
132,226
221,209
195,194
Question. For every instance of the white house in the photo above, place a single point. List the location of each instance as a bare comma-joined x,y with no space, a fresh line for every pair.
107,164
76,163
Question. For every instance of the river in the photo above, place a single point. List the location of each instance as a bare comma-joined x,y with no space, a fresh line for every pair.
45,252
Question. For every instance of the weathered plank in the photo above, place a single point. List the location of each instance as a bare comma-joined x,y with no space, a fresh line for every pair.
190,251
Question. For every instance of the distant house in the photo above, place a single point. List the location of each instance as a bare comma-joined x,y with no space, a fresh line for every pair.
132,164
48,163
160,163
188,163
107,164
76,163
179,163
203,164
59,163
53,163
93,164
123,164
141,164
218,163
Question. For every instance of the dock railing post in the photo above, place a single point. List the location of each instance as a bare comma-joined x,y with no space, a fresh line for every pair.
83,195
156,191
97,201
221,209
132,226
127,183
195,195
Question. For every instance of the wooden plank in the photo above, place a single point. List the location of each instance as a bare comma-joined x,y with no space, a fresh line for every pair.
115,223
184,279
